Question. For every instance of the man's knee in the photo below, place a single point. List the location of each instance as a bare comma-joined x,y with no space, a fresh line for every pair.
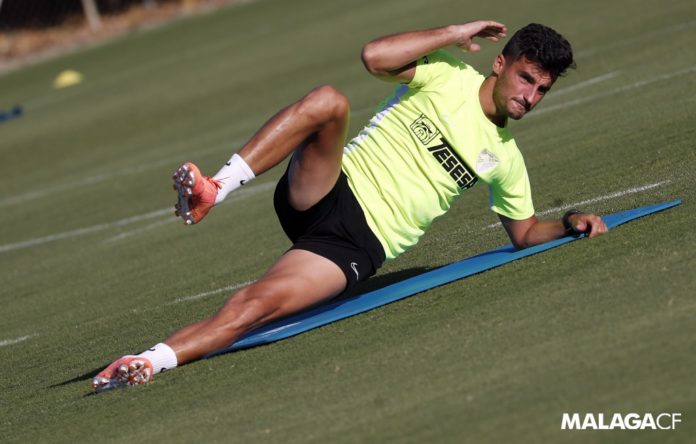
248,307
326,103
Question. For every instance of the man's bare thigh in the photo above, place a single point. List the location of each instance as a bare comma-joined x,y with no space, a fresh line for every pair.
316,163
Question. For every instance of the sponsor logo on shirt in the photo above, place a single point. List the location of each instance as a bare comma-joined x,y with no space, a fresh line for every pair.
430,136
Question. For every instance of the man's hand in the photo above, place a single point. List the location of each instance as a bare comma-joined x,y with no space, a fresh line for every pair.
588,223
393,57
485,29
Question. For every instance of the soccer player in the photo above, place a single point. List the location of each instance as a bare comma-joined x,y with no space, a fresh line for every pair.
349,207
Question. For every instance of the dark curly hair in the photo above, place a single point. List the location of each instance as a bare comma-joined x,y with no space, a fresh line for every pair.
542,45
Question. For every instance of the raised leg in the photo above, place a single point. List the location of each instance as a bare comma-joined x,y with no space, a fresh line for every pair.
314,128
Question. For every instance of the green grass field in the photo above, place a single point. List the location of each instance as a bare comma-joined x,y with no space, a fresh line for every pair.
93,265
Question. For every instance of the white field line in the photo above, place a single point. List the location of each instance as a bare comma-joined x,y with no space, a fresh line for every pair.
81,231
596,199
584,84
239,194
90,180
125,171
5,342
147,227
198,296
108,225
634,85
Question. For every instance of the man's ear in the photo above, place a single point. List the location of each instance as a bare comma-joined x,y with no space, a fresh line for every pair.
498,64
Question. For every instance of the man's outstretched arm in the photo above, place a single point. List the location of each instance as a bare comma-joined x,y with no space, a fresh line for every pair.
529,232
394,57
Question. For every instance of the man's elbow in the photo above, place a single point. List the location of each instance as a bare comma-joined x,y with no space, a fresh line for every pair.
520,244
370,60
520,232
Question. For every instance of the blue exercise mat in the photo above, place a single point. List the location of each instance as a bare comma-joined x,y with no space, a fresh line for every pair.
331,312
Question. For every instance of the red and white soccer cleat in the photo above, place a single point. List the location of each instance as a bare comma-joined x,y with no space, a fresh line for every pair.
196,193
123,372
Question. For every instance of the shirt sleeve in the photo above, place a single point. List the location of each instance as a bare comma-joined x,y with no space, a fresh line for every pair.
434,69
511,196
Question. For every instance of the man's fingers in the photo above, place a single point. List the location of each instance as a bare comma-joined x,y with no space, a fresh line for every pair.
496,28
486,29
474,47
491,34
492,24
597,226
485,26
596,231
581,227
602,227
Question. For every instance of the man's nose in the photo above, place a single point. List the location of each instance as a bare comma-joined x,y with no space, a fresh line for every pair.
531,96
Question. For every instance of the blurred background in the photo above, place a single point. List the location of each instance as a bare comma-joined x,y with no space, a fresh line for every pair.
32,30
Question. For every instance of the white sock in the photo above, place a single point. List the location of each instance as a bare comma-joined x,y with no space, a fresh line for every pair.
161,356
233,175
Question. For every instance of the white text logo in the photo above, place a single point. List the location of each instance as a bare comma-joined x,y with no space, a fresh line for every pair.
618,421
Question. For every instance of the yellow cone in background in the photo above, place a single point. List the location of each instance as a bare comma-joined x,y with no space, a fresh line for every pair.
67,78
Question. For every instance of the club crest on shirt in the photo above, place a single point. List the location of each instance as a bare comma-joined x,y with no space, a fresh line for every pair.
424,129
486,161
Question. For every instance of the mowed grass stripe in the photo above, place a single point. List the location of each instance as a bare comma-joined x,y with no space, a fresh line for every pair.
251,191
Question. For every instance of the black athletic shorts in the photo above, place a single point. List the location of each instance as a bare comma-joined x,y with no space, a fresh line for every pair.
334,228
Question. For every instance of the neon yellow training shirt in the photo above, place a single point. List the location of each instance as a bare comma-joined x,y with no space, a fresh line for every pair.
428,142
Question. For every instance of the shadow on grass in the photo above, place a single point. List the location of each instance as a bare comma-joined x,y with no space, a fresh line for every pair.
377,282
83,377
374,283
